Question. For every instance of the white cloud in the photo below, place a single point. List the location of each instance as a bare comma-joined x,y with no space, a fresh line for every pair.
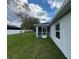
13,19
38,12
55,3
35,8
35,11
14,23
17,6
26,1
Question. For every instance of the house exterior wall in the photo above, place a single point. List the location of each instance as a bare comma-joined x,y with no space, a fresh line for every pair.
64,43
41,31
36,31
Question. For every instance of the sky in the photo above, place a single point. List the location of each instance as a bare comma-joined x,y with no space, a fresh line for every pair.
42,9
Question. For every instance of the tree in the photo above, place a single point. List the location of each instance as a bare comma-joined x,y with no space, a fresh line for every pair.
21,9
18,7
28,23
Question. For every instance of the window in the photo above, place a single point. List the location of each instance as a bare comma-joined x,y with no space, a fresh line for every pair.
39,30
57,28
44,31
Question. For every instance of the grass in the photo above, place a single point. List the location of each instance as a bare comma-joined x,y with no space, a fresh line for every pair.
27,46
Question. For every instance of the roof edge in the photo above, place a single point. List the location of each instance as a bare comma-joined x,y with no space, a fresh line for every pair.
64,9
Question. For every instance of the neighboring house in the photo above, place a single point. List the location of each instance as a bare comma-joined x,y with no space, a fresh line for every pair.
60,28
42,30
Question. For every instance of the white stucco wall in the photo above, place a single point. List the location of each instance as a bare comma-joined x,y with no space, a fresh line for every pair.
64,43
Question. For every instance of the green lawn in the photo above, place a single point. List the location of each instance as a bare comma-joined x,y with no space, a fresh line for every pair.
27,46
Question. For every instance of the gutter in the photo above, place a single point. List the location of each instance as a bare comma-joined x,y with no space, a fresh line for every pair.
64,9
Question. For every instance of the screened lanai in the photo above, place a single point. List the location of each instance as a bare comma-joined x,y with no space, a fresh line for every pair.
42,30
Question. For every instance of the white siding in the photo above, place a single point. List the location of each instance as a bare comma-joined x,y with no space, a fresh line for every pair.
36,31
64,43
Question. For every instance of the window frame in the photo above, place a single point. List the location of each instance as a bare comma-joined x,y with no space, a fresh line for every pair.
57,30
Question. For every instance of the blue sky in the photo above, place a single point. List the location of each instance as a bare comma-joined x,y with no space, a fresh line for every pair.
42,9
43,4
46,5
